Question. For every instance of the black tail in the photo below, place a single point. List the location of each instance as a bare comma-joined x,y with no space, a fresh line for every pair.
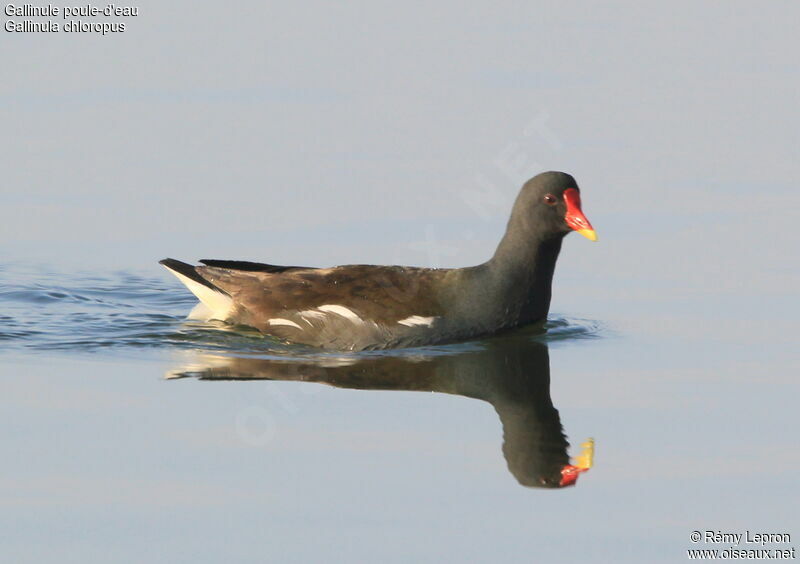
248,266
188,271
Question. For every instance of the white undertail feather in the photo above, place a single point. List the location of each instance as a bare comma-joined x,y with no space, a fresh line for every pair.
200,312
218,305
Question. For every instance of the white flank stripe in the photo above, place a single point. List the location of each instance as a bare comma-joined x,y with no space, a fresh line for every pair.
340,310
417,320
310,314
279,321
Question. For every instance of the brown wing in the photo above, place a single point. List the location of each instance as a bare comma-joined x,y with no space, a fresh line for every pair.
354,306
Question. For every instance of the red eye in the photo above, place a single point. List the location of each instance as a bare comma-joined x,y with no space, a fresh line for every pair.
550,200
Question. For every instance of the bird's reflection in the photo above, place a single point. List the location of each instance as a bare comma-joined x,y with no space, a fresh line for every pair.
511,373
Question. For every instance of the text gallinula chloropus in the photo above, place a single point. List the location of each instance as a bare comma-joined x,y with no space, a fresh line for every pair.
358,307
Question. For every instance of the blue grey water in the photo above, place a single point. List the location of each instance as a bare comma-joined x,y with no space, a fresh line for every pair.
327,134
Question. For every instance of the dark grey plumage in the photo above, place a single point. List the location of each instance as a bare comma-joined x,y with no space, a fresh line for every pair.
358,307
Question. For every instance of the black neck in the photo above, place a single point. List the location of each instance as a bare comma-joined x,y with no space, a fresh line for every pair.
521,273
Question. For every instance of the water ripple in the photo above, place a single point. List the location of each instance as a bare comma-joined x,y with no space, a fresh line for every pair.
50,311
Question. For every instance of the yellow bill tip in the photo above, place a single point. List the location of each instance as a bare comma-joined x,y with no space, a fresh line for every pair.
588,233
585,460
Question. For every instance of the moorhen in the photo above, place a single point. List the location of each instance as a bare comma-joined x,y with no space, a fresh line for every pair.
365,307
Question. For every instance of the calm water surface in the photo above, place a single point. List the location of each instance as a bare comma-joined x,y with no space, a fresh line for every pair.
330,133
134,435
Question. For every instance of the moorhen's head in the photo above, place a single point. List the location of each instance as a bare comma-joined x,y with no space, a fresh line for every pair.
549,205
